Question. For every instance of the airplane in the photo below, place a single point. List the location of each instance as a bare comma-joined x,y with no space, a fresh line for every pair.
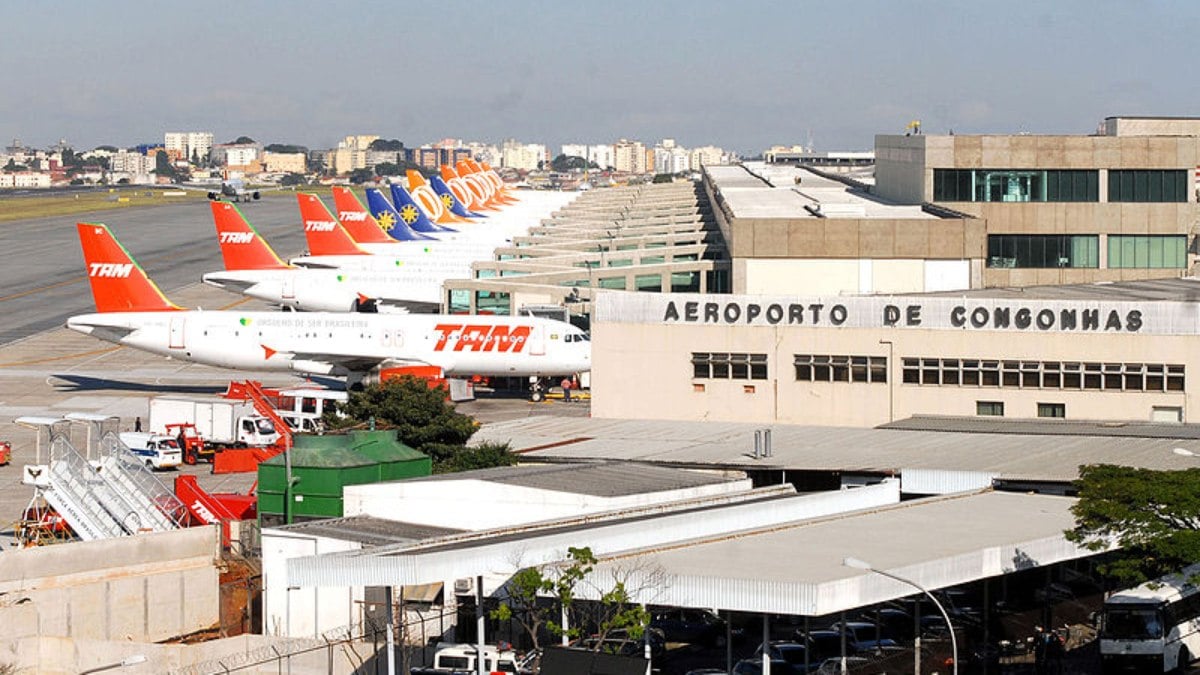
236,190
363,348
253,269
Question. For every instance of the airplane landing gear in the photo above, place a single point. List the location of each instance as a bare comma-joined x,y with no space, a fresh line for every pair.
537,392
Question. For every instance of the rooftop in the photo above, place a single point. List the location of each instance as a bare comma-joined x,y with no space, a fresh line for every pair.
368,530
757,190
1026,450
596,478
1185,289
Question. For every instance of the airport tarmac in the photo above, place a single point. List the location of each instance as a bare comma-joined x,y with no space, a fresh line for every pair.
46,369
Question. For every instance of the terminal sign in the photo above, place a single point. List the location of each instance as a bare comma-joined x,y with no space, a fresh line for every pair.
872,312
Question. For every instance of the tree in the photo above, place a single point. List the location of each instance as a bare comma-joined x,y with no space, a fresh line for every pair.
1154,516
162,164
420,414
243,140
526,591
663,178
381,144
388,169
293,179
360,176
286,148
106,148
564,163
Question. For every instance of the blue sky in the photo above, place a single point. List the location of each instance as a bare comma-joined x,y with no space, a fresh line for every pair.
741,75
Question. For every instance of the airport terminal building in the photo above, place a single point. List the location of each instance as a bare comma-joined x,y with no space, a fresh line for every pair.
1121,351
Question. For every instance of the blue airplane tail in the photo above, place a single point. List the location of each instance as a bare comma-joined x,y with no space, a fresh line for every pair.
443,192
389,218
412,214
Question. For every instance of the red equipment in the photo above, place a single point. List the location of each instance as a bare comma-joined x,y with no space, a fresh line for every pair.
190,442
5,452
206,508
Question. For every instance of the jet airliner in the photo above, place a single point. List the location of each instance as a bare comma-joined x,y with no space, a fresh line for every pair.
364,348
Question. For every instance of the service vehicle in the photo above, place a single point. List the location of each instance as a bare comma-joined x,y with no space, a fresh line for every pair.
1152,628
220,422
5,452
156,451
461,658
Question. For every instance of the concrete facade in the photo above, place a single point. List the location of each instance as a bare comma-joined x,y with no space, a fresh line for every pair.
906,166
927,354
146,588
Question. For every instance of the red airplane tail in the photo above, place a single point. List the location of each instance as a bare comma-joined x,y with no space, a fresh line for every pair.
357,220
324,233
242,247
119,284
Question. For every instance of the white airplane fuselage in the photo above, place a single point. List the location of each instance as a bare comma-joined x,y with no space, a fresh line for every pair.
415,285
349,344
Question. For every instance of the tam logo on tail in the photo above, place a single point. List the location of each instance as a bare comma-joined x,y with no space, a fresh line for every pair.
110,270
236,237
320,225
353,216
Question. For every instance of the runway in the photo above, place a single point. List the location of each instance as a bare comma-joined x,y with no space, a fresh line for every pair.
42,280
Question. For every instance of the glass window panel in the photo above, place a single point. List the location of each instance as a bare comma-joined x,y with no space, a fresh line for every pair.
648,283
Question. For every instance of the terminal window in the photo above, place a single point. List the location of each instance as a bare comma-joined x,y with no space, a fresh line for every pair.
1066,375
729,366
1052,410
1147,251
1016,185
1150,185
1043,251
989,408
840,368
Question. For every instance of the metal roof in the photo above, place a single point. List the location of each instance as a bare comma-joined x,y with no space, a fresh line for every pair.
595,478
366,530
1182,289
1012,456
797,568
779,556
758,190
1047,427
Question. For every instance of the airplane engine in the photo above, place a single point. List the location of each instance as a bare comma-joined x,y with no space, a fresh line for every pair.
213,196
256,195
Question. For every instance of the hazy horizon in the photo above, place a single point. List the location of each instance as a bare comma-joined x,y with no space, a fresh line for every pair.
740,76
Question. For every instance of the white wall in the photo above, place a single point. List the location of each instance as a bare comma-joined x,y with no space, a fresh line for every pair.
478,505
311,610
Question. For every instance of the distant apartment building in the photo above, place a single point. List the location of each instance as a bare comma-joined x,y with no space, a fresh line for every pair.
193,146
671,159
132,163
424,157
350,154
707,156
629,156
483,152
522,156
235,154
24,179
284,162
376,157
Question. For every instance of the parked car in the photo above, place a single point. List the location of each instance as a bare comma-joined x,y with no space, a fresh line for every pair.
865,637
754,667
855,665
693,626
823,644
793,653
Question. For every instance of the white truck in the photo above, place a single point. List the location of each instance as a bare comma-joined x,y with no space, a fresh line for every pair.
460,658
220,422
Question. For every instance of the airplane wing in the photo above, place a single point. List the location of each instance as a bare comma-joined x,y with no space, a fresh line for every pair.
355,363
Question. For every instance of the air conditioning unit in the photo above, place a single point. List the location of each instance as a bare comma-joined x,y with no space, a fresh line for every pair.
463,586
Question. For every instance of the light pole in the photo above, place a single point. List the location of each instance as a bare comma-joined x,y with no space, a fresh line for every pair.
864,565
124,663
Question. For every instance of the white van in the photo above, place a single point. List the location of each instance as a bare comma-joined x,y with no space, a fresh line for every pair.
302,422
155,450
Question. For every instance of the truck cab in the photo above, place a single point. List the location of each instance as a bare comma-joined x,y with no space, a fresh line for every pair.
155,450
452,658
256,431
302,422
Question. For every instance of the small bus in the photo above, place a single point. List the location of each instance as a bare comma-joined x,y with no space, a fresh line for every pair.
1152,628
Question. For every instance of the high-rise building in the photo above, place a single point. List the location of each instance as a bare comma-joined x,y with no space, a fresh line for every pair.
629,156
522,156
189,145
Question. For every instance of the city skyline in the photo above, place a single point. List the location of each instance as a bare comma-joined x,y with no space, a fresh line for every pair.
742,78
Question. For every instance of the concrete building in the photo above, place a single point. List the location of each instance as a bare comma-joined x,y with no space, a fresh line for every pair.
235,154
707,156
24,179
522,156
1120,205
284,162
1121,351
190,145
133,163
629,156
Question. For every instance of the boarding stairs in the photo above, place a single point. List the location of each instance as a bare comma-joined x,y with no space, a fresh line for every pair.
71,480
160,509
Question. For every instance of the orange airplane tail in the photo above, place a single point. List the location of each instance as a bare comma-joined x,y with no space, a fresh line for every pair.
241,245
481,190
119,284
357,220
498,183
324,233
437,208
